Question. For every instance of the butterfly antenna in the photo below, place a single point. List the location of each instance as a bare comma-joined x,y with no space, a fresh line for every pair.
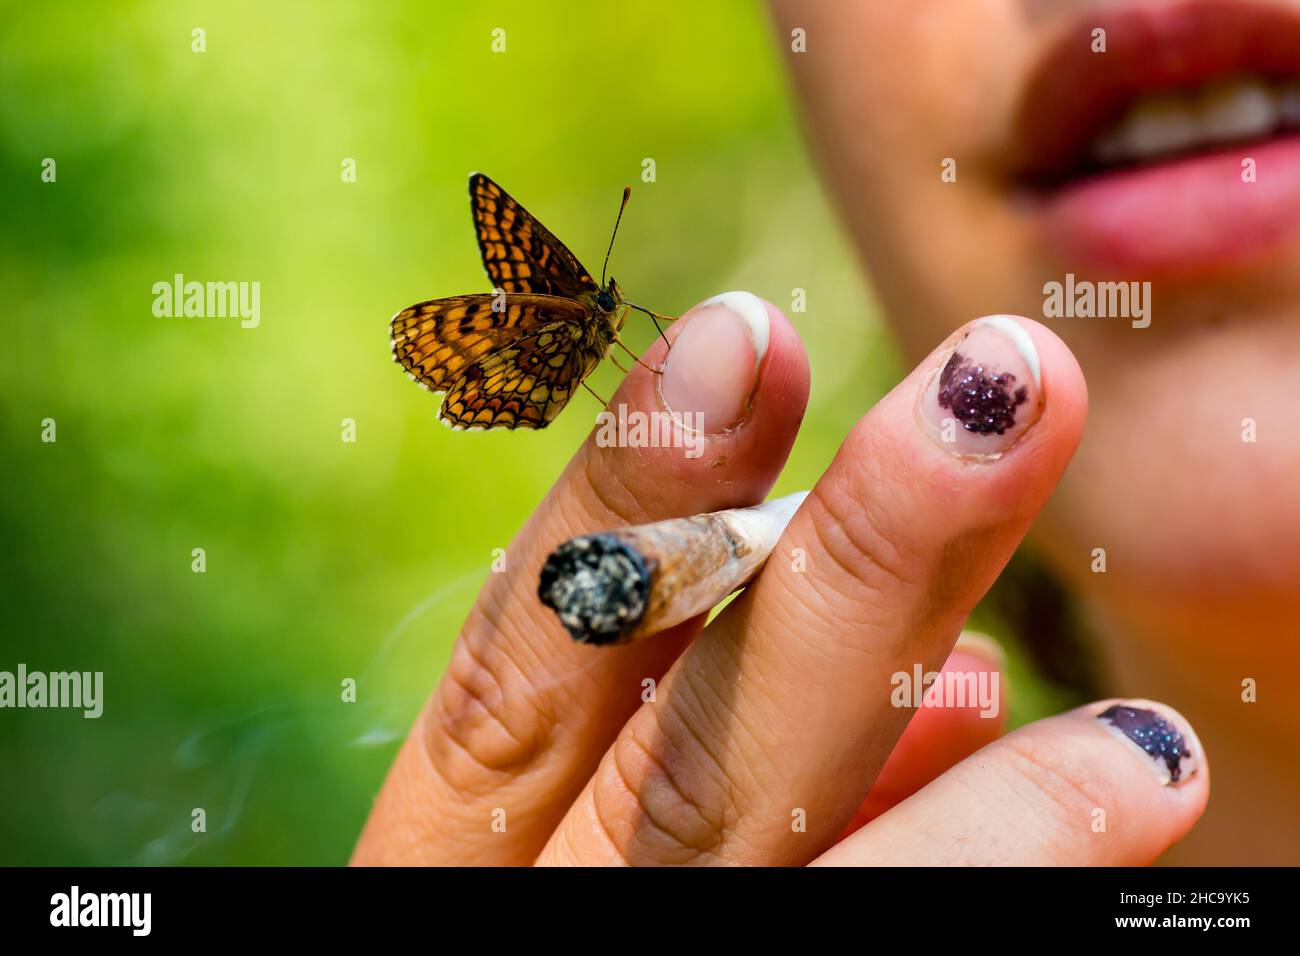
627,194
654,317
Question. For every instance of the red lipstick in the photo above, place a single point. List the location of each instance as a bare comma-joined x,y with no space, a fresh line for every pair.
1206,204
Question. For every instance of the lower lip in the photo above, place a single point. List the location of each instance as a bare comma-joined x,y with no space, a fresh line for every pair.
1187,215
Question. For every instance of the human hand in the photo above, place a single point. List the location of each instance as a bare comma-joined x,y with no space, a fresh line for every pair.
770,727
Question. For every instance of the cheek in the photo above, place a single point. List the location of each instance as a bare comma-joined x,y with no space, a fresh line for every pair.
928,78
1185,479
905,104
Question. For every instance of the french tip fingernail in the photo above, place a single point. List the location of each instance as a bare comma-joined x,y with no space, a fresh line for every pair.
986,391
751,310
982,646
711,371
1020,338
1171,753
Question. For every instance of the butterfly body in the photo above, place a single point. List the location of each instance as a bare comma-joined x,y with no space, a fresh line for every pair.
514,357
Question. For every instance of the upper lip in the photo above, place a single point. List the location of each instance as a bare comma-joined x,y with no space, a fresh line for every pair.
1074,93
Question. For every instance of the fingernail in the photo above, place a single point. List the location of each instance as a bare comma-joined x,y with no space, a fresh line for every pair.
712,367
982,646
1170,750
986,391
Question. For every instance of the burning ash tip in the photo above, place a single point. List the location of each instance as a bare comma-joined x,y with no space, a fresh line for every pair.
598,585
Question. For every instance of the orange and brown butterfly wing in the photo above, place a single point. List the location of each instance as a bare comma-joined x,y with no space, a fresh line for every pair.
519,253
436,341
524,385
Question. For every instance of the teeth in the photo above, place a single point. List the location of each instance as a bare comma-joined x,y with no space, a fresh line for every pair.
1167,124
1159,125
1237,110
1288,104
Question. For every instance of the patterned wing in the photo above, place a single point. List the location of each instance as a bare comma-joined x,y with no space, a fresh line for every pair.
519,253
437,341
524,385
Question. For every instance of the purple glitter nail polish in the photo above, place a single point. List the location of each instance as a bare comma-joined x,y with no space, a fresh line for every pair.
1161,740
982,400
986,393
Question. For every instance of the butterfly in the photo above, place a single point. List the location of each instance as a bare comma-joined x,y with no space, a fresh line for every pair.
513,358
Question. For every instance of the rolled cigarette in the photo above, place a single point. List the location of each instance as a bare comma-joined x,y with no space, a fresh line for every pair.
616,587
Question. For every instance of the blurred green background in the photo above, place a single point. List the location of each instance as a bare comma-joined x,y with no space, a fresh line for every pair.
325,559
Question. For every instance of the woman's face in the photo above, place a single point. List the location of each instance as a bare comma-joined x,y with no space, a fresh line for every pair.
1024,155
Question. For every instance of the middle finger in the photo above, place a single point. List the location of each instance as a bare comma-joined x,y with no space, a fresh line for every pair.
769,731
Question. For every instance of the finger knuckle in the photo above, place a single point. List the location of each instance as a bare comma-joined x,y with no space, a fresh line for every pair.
856,533
1055,781
659,803
486,722
613,494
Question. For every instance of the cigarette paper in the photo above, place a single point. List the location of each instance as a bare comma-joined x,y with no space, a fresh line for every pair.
616,587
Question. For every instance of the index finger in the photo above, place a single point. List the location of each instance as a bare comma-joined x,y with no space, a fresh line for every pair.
522,713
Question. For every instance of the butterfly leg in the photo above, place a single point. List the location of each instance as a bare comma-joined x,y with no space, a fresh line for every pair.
655,317
619,343
603,403
618,364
